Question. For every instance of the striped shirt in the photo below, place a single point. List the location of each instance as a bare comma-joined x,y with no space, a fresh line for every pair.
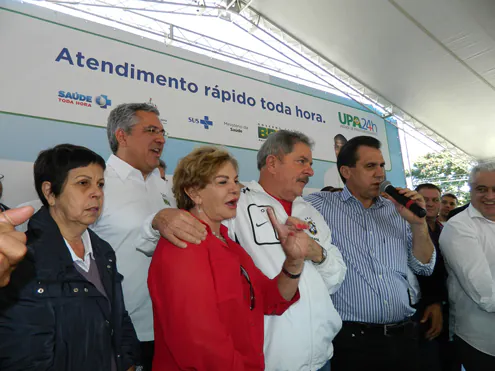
376,244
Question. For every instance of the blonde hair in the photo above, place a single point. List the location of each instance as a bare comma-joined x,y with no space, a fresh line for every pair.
197,170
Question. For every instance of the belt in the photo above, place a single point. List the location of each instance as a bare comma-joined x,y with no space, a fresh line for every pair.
408,328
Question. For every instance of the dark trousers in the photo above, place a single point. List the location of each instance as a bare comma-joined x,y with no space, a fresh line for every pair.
437,354
472,359
359,347
147,352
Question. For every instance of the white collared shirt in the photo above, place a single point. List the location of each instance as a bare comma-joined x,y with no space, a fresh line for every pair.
88,252
131,203
468,246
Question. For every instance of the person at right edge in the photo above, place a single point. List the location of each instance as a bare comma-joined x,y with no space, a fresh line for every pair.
379,239
468,245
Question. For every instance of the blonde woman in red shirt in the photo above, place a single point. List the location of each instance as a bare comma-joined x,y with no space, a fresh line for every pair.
209,299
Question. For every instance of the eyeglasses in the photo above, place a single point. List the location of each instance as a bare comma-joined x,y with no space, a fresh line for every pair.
251,288
153,130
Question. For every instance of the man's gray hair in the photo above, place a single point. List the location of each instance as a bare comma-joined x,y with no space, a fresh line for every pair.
482,166
281,143
124,117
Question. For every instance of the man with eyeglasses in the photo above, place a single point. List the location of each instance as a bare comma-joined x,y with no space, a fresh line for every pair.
139,207
468,246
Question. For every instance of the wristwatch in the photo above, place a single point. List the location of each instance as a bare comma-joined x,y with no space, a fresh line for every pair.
324,253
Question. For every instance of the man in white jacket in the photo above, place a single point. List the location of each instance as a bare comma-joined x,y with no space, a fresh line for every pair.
300,339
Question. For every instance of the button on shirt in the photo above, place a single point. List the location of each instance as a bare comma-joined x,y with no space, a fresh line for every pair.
376,244
468,246
131,203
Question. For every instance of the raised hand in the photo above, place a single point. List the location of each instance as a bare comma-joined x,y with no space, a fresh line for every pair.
178,226
12,243
295,242
403,211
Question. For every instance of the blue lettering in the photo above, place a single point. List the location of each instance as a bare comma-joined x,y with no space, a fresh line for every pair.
61,94
80,59
64,54
92,64
104,64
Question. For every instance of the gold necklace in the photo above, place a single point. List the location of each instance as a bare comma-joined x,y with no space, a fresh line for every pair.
220,237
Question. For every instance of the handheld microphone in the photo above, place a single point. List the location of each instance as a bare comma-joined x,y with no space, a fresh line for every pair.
409,204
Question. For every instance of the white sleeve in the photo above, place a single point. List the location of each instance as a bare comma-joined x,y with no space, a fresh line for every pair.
333,269
462,251
148,237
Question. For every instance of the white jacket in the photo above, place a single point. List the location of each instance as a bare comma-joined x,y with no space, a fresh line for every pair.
300,339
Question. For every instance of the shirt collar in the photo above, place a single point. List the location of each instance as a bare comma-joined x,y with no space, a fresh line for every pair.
88,248
474,213
224,231
124,170
346,195
254,185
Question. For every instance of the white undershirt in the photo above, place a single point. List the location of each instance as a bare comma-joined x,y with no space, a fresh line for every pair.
88,252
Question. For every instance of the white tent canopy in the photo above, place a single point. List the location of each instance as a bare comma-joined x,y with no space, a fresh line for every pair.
433,59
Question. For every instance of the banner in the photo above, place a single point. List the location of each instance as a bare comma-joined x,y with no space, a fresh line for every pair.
58,72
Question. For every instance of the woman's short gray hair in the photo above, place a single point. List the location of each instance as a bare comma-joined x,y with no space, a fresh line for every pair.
281,143
482,166
124,117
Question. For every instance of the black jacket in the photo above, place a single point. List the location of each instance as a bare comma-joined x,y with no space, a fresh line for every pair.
53,319
434,287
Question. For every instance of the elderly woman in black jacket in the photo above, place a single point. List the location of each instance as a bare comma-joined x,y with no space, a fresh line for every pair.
63,309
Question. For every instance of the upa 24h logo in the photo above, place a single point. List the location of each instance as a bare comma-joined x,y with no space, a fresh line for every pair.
356,122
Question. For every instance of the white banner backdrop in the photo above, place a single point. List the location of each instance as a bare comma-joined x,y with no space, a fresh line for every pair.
57,72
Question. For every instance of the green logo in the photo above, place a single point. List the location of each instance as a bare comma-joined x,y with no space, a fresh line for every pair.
165,200
264,132
356,122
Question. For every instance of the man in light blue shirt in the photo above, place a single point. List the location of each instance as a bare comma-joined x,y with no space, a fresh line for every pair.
379,240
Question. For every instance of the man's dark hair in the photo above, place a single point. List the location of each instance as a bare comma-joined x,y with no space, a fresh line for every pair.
428,186
331,189
451,195
340,137
348,153
53,165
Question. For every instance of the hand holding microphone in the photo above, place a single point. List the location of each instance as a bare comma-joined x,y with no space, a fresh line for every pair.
410,204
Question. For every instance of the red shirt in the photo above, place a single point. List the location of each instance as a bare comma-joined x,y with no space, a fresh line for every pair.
287,205
201,306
